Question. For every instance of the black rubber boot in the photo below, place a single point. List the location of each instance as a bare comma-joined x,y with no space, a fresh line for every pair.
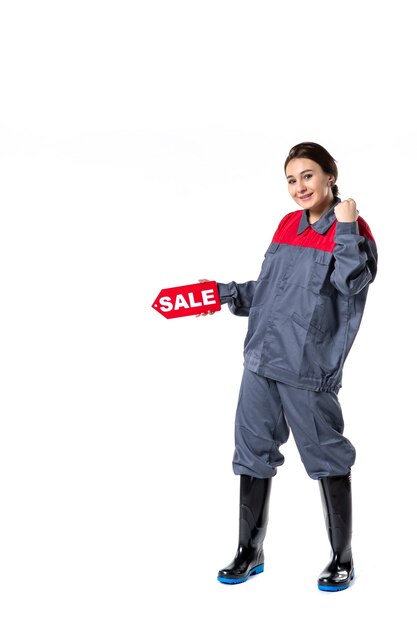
337,507
253,520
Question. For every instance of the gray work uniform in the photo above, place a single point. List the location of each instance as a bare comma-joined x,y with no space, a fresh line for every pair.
304,312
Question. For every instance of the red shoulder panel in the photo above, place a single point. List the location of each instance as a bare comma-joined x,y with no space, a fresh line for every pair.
364,229
287,234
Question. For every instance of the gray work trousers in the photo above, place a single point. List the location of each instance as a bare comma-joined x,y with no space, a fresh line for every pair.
267,410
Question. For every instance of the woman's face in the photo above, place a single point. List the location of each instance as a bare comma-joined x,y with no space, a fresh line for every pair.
309,185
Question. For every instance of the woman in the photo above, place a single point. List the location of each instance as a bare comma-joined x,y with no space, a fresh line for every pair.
304,312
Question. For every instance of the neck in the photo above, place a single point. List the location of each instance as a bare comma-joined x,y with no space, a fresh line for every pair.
314,216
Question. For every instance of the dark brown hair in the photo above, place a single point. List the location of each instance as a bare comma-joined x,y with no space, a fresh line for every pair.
318,154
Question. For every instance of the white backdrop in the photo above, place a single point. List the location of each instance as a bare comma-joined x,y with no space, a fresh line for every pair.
142,147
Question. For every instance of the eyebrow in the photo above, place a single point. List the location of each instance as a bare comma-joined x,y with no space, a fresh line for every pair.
303,172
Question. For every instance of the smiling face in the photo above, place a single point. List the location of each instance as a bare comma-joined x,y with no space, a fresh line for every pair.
309,185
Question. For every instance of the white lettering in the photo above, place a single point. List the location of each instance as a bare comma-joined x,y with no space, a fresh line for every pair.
166,304
180,302
208,296
193,303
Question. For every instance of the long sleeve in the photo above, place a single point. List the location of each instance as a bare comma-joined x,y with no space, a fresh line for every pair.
355,255
238,296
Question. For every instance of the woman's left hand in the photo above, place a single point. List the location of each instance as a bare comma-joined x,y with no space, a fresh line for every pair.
346,211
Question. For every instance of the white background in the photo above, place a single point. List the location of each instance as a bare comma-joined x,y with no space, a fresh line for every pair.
142,147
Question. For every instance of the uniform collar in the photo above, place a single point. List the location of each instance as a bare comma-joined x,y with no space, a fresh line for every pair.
322,225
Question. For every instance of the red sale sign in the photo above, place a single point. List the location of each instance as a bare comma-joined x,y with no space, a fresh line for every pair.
188,300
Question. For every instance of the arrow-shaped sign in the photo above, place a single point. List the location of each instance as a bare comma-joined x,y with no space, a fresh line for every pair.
188,300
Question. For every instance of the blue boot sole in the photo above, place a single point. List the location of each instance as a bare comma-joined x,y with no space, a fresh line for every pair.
339,588
235,581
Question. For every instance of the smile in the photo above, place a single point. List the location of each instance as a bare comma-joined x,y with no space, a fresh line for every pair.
306,196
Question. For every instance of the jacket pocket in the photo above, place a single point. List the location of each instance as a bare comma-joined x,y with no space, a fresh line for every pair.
273,247
320,272
320,355
307,325
267,262
307,268
252,324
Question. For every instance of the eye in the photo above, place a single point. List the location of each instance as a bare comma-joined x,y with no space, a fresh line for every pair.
291,181
307,176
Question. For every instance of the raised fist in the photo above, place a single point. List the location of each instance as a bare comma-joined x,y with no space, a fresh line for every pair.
346,211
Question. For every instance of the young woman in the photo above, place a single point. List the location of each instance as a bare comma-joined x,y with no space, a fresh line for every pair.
304,312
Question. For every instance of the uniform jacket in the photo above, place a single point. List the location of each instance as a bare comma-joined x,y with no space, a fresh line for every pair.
307,304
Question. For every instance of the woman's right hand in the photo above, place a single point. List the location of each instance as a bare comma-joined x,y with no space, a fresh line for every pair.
205,280
346,211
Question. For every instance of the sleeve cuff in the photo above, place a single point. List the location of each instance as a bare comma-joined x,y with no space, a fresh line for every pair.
347,228
224,292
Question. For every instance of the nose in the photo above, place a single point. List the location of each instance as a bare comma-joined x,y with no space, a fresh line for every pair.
300,186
